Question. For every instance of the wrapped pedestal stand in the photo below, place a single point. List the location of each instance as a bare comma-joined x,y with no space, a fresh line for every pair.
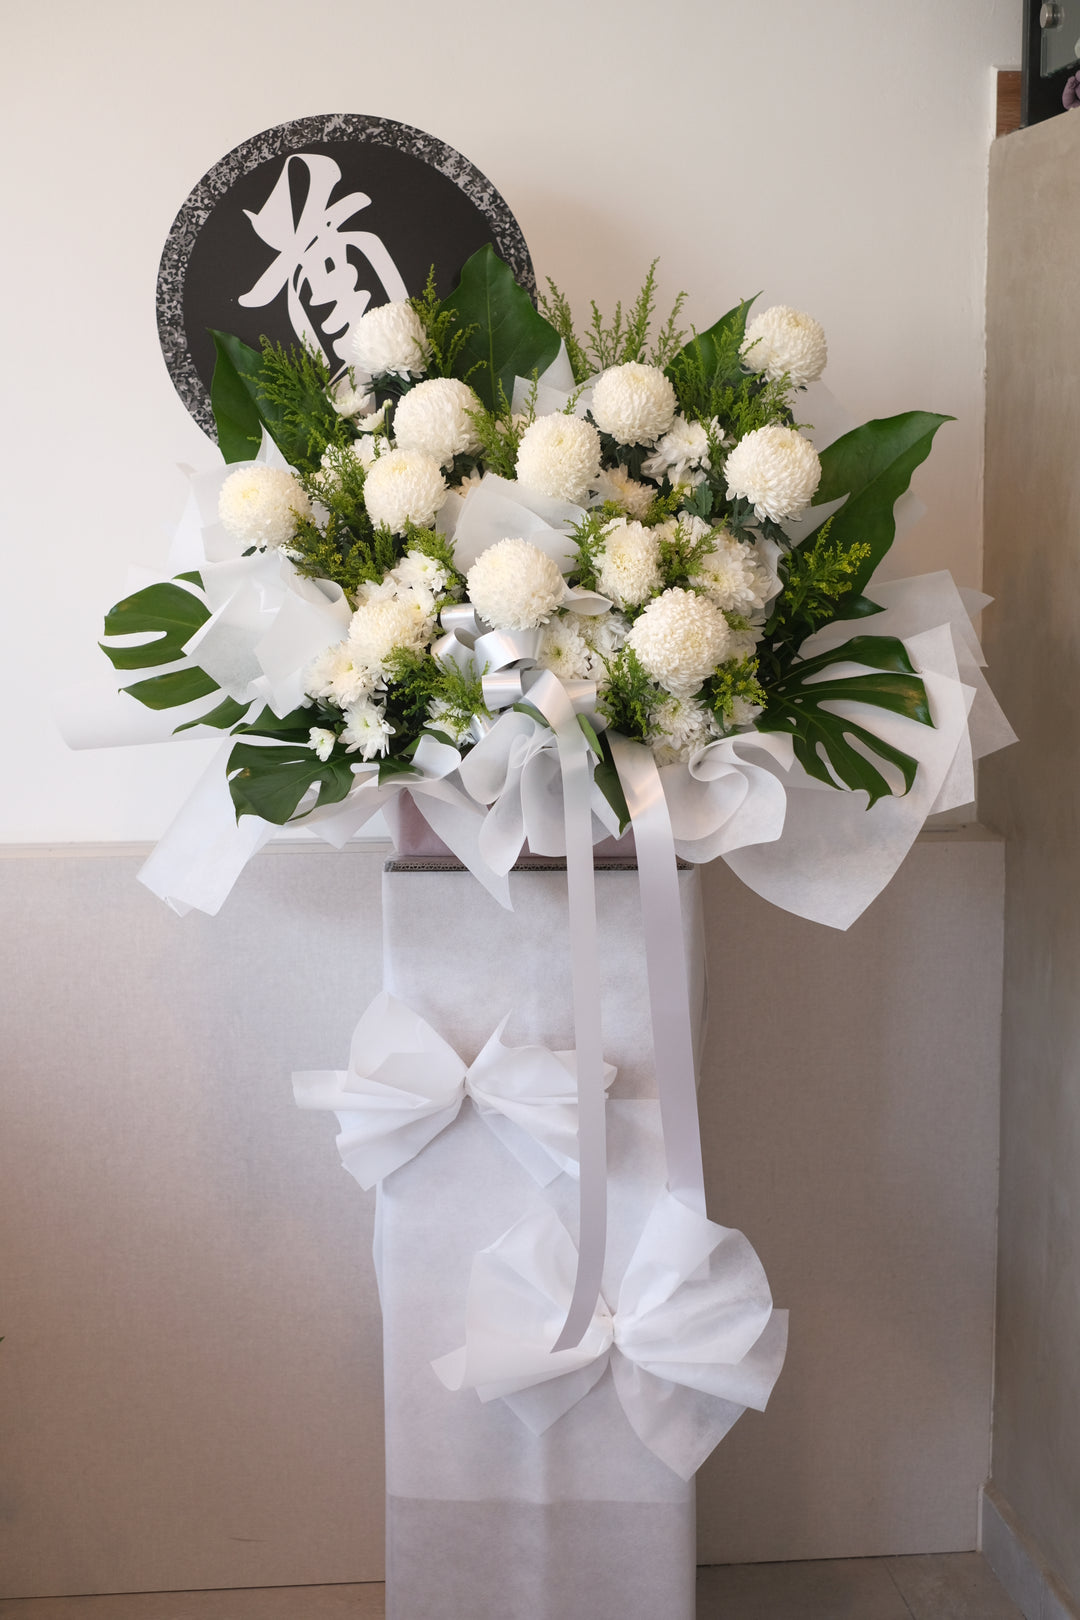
486,1520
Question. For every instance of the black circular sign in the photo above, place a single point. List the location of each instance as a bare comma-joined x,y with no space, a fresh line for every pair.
300,229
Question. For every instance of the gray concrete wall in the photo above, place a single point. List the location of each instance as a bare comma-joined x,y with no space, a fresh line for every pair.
1032,793
190,1383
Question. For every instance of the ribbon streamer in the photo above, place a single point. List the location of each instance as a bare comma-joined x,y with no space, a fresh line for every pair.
405,1084
665,962
692,1342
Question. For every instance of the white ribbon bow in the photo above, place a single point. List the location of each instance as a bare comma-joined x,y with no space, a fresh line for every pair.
693,1340
405,1084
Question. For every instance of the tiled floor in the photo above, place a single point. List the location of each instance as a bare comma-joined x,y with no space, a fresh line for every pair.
952,1586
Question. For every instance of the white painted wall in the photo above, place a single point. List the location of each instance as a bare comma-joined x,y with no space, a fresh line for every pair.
831,154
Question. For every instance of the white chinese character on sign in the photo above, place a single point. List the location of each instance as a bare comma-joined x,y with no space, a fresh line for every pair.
313,252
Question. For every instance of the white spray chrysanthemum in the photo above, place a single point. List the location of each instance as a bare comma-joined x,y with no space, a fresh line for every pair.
634,403
402,487
367,730
435,417
783,341
628,568
515,585
776,469
733,577
322,741
564,649
680,726
559,456
390,340
680,639
350,401
615,484
682,454
339,676
417,571
382,626
259,506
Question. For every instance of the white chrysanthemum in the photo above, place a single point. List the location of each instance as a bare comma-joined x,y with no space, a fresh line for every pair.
449,721
418,571
515,585
339,676
679,640
604,633
782,340
337,456
366,731
322,741
381,626
350,401
743,644
435,417
733,577
634,403
680,726
390,340
470,482
404,486
776,469
564,649
682,454
743,712
615,484
259,506
628,568
559,456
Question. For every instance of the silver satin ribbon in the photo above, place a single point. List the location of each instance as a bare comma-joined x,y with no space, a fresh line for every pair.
549,697
665,961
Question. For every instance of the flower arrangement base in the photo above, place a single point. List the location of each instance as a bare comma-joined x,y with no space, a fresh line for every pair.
485,1519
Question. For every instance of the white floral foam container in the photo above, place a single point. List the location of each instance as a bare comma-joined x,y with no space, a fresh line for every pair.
485,1520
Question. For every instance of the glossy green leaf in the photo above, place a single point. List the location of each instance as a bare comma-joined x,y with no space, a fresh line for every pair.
171,690
872,465
722,338
233,398
823,741
607,780
284,728
168,613
222,718
510,338
271,781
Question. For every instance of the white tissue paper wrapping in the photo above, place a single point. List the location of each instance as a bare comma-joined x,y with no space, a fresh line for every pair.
598,1524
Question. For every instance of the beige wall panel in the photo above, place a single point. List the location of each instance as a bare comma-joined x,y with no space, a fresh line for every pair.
1032,793
190,1389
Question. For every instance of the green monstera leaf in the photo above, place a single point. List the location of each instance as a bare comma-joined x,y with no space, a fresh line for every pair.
168,615
872,465
270,781
508,338
823,741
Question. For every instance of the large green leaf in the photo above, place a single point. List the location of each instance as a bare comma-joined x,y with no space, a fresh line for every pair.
234,398
822,740
222,718
509,337
282,728
168,613
717,349
171,690
271,781
872,465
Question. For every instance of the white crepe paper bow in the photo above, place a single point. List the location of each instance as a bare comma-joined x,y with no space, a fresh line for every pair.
405,1084
692,1342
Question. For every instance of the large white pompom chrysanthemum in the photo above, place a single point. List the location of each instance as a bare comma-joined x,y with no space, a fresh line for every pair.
381,626
435,417
733,577
259,506
628,568
634,403
402,487
680,726
680,639
515,585
783,341
776,469
390,340
559,456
